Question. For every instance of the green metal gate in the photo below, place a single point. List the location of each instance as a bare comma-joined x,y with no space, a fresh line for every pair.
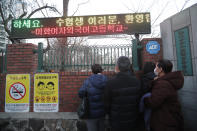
3,61
80,58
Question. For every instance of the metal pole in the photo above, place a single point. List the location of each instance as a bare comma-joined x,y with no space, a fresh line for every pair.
5,60
40,57
135,47
134,55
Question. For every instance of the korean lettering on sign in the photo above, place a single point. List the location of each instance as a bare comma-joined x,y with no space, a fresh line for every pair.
81,25
183,51
46,87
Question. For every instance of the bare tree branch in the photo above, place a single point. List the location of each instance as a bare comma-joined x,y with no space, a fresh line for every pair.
138,6
44,7
40,7
1,12
24,14
128,8
162,11
151,5
74,43
132,37
184,5
176,6
79,6
10,17
23,7
48,46
5,21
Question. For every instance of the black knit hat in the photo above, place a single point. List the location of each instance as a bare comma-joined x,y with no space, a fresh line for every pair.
96,68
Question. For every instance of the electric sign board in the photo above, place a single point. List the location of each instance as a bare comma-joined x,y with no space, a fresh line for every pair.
73,26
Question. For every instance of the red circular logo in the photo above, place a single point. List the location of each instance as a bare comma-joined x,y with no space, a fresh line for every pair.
17,91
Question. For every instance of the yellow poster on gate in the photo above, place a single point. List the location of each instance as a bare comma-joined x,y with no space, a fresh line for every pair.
17,93
46,92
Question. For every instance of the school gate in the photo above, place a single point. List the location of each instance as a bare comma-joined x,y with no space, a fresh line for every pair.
73,65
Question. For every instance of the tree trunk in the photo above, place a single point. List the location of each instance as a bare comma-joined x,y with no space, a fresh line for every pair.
65,7
64,40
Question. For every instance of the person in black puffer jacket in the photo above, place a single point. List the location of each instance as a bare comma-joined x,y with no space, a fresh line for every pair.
147,77
94,85
122,95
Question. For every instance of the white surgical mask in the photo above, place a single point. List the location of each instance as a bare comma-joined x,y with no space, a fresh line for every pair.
156,73
116,69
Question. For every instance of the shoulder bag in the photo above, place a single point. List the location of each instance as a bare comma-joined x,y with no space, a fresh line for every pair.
83,109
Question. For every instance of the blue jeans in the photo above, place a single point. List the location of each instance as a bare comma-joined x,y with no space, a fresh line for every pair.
95,124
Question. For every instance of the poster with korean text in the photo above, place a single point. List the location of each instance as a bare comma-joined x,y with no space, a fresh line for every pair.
46,92
17,93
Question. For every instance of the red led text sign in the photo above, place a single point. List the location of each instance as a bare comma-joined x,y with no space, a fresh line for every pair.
81,26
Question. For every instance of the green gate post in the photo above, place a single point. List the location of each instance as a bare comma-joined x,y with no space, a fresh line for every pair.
40,57
2,61
5,60
135,48
3,52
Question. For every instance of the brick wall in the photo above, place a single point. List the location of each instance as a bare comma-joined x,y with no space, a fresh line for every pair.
146,56
68,92
21,58
69,84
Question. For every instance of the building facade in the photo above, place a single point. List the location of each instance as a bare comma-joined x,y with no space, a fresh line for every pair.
179,38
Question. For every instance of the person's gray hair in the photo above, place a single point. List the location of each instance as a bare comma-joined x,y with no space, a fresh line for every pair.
123,63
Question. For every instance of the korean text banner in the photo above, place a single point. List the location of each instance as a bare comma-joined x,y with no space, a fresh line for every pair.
81,26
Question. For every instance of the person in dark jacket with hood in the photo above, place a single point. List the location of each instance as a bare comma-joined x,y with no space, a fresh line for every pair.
146,79
122,95
166,109
94,85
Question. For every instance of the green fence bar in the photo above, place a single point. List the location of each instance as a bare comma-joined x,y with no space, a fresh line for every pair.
3,62
80,58
40,57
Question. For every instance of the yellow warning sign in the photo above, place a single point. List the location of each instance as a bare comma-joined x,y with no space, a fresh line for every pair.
46,88
17,92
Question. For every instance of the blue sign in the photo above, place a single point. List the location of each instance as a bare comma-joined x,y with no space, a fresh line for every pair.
153,47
